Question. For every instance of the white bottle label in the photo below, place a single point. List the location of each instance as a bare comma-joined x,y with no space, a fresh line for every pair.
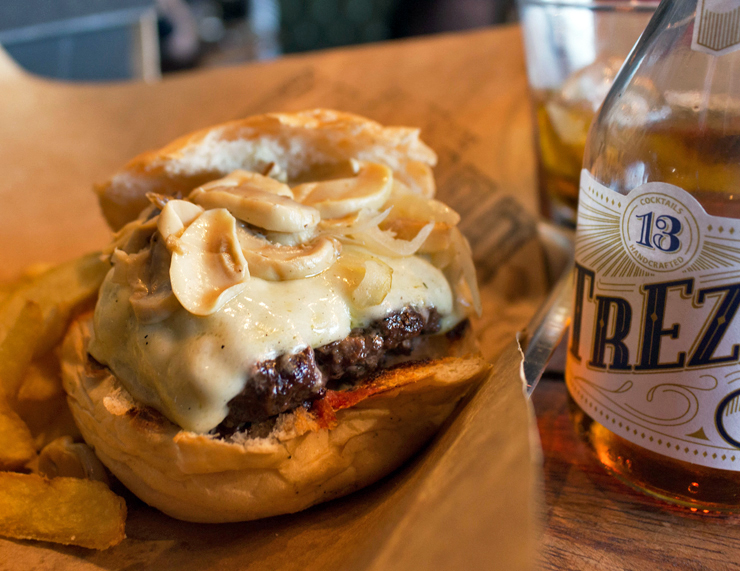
716,27
654,352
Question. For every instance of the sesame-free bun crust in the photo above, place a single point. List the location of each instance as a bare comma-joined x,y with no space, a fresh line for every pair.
292,142
348,440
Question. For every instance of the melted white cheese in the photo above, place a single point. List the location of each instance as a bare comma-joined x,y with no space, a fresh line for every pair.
189,367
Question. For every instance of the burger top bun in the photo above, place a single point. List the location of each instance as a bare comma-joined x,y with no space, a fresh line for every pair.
286,144
347,440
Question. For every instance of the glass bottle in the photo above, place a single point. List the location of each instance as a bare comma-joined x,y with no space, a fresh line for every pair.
654,354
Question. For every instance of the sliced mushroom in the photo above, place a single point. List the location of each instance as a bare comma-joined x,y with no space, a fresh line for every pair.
135,235
257,200
369,188
348,224
146,273
140,236
292,238
419,177
325,171
175,217
153,300
247,179
275,262
65,458
407,204
208,267
159,200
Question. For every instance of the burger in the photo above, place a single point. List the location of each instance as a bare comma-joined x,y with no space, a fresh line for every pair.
286,318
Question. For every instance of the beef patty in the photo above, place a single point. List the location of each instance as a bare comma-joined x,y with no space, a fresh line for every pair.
282,384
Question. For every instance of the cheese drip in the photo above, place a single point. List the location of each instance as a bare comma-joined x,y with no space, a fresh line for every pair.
189,367
247,269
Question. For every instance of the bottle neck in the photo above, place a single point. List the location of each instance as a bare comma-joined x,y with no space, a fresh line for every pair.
673,113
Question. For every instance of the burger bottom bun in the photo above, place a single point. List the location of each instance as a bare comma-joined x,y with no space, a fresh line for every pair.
348,440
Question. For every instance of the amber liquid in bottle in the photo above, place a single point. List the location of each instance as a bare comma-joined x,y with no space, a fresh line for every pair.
689,485
704,160
708,171
659,126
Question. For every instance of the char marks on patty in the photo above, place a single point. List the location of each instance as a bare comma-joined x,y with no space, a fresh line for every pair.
278,385
364,350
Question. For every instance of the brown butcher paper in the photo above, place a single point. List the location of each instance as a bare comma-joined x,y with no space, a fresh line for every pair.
467,501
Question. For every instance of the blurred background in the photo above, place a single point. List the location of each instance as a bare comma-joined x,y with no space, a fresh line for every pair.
104,40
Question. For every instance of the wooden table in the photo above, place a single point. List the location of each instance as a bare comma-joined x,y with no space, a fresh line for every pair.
593,521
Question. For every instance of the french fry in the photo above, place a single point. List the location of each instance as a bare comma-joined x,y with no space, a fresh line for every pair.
42,403
16,442
70,511
63,457
18,347
42,380
7,289
33,317
34,314
47,420
17,446
29,273
58,292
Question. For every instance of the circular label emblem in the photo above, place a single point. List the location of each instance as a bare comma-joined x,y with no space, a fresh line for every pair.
659,231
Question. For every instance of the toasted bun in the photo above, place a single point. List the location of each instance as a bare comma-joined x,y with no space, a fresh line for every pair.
292,142
346,441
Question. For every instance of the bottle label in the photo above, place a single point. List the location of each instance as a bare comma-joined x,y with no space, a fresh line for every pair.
654,352
716,27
